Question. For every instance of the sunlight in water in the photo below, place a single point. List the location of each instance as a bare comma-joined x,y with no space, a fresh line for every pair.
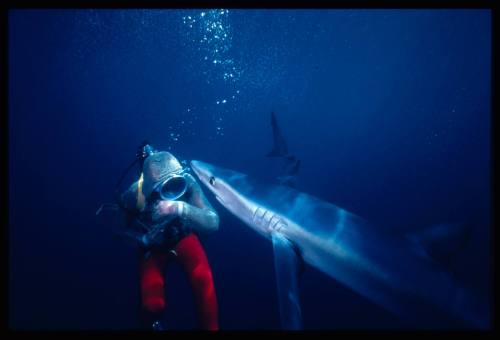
210,32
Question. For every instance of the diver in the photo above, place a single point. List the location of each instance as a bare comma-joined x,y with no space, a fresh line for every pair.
165,211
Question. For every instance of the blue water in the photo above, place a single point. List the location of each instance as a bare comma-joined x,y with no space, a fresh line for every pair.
389,111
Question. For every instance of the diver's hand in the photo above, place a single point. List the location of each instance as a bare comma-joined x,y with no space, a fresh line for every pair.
168,208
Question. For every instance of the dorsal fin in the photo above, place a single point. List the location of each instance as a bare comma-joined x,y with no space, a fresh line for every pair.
443,241
280,148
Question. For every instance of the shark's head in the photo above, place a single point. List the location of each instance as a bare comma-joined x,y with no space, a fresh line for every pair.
227,186
206,173
217,180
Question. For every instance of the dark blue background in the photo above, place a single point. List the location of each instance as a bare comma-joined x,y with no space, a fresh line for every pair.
389,111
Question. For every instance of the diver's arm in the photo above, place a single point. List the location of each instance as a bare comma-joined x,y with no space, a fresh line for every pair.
146,238
199,215
202,220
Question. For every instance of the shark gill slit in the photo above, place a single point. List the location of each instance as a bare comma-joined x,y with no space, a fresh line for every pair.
255,214
262,218
274,225
281,225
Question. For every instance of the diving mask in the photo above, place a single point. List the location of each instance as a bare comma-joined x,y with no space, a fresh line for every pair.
173,187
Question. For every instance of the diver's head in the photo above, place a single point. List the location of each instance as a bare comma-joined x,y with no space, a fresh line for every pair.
163,173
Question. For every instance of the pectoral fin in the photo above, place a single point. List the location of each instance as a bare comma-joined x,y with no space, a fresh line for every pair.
287,266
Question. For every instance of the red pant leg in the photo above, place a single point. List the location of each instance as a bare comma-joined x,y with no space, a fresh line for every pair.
153,282
191,255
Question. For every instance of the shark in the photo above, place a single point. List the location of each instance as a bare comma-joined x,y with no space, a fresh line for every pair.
397,272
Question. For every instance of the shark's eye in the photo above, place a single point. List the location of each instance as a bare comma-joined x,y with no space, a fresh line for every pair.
212,180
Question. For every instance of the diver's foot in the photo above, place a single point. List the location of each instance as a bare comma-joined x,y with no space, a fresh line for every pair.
157,326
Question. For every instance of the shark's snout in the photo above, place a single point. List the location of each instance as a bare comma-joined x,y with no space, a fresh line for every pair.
200,169
204,172
195,165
